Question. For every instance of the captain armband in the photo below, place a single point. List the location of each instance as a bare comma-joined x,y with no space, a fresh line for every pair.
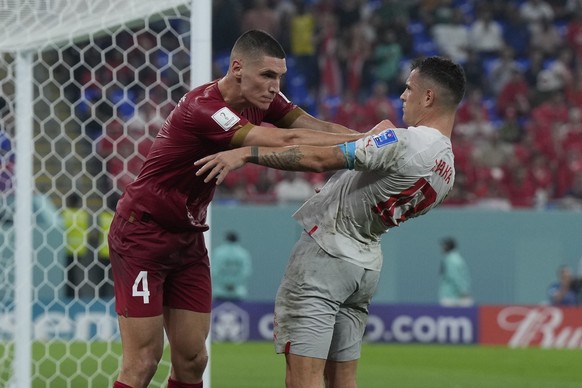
349,150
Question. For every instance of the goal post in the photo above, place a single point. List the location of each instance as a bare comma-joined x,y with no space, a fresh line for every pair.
84,87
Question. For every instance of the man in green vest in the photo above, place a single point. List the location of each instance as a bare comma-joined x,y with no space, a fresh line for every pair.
104,218
76,221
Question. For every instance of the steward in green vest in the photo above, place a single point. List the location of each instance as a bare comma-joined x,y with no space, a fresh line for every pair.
76,222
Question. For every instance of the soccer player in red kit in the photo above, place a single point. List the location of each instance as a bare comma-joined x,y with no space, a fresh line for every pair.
158,255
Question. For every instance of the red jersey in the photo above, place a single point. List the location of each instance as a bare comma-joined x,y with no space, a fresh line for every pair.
167,188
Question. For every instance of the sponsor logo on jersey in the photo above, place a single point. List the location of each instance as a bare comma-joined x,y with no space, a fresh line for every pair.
225,118
385,138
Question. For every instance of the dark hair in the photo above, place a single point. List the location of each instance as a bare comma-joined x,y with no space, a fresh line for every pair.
449,244
231,236
445,73
258,42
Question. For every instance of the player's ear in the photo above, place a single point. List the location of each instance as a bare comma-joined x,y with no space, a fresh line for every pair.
236,67
429,97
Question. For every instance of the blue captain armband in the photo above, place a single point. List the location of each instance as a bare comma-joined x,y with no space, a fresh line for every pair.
349,150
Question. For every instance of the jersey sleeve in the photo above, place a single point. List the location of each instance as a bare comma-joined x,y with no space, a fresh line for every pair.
379,152
217,123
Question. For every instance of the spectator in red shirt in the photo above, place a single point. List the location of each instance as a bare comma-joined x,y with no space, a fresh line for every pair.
542,173
357,59
570,134
521,189
545,119
574,89
329,66
351,113
514,96
472,104
379,106
574,34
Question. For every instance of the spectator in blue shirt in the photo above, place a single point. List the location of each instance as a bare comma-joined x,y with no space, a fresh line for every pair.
562,292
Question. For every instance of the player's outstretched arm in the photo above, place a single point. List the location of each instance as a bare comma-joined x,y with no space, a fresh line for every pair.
276,137
293,158
308,121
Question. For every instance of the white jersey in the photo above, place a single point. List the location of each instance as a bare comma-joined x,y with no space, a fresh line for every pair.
400,174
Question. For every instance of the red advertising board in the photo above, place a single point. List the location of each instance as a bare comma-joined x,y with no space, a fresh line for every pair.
524,326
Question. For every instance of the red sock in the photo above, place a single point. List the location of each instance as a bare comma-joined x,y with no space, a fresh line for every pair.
117,384
176,384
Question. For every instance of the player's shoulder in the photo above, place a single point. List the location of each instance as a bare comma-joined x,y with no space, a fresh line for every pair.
205,102
204,94
427,137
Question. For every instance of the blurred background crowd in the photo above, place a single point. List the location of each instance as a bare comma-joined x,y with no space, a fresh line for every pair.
518,136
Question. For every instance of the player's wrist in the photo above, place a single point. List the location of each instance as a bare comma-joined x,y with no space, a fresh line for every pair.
254,155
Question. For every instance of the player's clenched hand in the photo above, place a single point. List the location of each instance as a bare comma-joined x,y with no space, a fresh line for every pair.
381,127
219,165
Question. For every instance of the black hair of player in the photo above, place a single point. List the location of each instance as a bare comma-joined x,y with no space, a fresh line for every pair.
444,72
256,42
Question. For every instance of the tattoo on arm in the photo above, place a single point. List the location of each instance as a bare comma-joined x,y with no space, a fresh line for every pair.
254,155
287,160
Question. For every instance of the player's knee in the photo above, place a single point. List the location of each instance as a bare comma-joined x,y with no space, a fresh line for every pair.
199,363
140,372
192,367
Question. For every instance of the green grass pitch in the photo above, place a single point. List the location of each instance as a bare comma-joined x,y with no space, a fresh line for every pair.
255,365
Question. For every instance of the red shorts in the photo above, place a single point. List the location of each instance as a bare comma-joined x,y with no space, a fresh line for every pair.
153,268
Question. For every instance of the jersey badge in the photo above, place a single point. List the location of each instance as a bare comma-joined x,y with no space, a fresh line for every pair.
385,138
225,118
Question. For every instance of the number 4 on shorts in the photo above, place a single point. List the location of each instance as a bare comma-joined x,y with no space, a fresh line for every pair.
142,278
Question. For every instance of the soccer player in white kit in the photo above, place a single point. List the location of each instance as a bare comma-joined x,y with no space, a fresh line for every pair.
321,307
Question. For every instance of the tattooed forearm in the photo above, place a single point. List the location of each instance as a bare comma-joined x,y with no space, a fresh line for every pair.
286,160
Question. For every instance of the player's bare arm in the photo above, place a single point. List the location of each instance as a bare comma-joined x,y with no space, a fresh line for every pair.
305,120
292,158
277,137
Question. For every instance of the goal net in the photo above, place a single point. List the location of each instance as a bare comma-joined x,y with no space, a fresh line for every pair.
103,74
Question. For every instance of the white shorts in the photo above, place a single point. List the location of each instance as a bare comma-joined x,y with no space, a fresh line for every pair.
321,308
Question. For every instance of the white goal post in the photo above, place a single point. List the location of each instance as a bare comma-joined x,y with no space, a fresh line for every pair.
84,86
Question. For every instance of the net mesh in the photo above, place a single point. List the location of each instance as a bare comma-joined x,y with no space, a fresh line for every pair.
105,74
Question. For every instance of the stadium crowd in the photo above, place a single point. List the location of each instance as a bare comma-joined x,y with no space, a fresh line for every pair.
518,136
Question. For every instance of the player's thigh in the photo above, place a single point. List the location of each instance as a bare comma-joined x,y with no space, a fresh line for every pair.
188,286
138,286
138,271
304,371
142,338
309,298
187,331
351,320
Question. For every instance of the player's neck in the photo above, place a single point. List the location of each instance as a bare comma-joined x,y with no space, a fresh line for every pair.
230,91
443,123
